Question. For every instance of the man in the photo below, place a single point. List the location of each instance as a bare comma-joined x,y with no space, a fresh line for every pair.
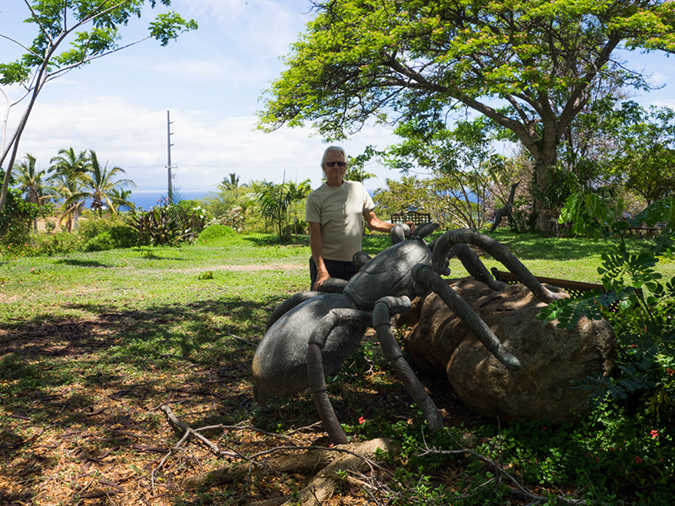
334,212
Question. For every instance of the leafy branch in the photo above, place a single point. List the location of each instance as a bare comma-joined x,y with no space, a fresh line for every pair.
634,289
42,61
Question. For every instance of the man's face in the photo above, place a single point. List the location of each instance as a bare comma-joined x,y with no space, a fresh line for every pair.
334,167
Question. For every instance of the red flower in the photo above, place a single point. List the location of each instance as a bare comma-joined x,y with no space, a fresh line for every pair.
654,433
362,420
637,459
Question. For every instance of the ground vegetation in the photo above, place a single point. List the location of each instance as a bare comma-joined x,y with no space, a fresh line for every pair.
97,345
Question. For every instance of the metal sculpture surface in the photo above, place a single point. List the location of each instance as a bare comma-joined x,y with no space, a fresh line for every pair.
310,334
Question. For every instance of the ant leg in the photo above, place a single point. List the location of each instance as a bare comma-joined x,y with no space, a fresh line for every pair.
498,252
382,312
464,311
475,267
315,370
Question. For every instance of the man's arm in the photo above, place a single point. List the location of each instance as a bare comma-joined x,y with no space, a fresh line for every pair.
316,246
376,224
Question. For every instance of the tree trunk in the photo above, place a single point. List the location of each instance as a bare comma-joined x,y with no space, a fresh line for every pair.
545,215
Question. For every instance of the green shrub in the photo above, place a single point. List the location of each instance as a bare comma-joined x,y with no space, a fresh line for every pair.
16,219
217,235
101,242
170,224
106,233
94,225
44,245
644,325
123,236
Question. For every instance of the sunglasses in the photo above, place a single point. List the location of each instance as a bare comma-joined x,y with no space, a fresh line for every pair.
336,164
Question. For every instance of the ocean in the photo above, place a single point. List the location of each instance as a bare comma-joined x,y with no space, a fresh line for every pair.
148,199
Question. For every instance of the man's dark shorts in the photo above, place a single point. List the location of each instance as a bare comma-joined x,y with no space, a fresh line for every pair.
336,269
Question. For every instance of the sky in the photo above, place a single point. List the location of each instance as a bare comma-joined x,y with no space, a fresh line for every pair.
211,81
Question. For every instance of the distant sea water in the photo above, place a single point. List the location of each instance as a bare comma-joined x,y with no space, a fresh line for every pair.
146,200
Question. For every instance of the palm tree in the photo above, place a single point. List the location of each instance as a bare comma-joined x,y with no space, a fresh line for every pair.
229,184
120,198
66,186
98,185
31,183
275,200
68,168
67,162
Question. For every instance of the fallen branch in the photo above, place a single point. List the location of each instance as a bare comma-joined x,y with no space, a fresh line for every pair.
329,462
250,343
187,433
182,428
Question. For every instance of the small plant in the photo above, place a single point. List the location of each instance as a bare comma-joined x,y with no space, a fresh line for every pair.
101,242
205,275
170,224
148,253
644,325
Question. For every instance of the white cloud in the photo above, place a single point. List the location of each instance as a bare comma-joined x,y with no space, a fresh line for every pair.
266,25
205,149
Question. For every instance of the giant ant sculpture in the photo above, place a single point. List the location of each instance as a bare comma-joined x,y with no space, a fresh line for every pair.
310,334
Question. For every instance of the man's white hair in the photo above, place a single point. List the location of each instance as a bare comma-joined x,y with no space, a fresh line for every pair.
330,149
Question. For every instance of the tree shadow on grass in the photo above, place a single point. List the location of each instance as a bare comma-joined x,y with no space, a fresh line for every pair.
273,240
59,372
82,263
91,388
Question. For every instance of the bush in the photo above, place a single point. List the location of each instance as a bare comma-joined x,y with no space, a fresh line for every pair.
217,235
101,242
44,245
123,236
170,224
94,225
107,233
16,219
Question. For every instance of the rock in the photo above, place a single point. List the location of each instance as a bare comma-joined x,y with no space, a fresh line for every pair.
550,357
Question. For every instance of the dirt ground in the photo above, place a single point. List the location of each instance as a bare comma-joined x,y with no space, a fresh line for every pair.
101,437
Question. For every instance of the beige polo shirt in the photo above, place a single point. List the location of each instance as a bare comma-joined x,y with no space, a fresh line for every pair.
339,211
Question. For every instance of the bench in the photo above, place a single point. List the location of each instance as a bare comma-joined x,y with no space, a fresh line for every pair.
574,288
405,216
645,231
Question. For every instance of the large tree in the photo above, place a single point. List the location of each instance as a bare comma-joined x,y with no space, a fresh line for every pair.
70,34
529,65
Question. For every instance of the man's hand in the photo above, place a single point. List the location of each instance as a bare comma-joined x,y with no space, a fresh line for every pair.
321,277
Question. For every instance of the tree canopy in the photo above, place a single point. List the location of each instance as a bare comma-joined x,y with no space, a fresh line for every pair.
530,66
645,150
70,34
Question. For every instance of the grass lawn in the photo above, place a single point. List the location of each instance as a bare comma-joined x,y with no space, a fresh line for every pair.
92,344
